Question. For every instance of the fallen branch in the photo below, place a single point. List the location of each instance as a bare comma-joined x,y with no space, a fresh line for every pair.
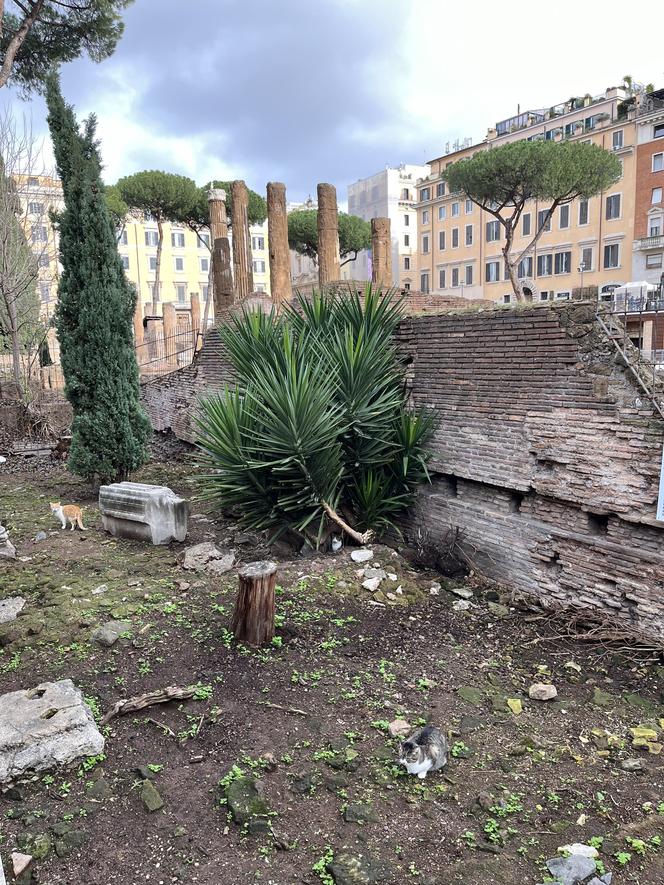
160,696
356,536
165,728
285,709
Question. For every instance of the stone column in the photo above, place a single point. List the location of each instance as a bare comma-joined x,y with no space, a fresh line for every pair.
138,332
195,320
169,327
222,274
277,230
381,252
328,235
242,267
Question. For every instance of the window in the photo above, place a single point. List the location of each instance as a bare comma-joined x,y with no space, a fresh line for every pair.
525,225
442,213
469,235
611,255
469,274
543,220
406,287
492,231
492,271
181,292
260,287
525,268
45,292
586,259
425,243
179,264
544,265
33,180
203,241
544,296
441,239
507,299
440,189
564,216
39,233
455,277
469,207
125,261
425,216
441,279
405,193
455,237
406,220
455,210
205,265
617,140
258,243
424,283
562,296
406,239
258,266
156,291
656,195
35,208
563,262
152,262
425,194
658,131
654,260
177,239
658,162
583,211
124,240
204,293
43,260
151,237
406,263
655,226
613,207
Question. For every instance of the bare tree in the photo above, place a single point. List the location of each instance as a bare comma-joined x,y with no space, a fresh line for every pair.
28,264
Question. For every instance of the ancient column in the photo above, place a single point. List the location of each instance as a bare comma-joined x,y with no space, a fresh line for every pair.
242,268
139,347
381,252
195,301
222,274
170,325
277,230
328,235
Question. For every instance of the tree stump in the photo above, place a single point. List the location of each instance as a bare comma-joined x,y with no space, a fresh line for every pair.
253,618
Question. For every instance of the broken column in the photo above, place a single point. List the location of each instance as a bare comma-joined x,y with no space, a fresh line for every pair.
169,331
277,225
242,268
381,252
143,512
195,302
328,235
222,274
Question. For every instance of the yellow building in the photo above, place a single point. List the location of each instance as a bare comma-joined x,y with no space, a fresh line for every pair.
587,243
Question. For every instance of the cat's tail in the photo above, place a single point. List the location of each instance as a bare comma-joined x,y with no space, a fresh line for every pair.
79,522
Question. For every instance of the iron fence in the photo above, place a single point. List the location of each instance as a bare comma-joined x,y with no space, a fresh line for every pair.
158,355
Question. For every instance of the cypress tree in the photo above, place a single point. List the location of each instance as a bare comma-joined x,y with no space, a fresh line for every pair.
94,314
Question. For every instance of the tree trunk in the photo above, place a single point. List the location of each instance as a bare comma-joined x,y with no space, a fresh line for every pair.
253,618
155,292
16,346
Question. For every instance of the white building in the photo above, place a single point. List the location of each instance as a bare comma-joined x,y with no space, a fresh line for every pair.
389,194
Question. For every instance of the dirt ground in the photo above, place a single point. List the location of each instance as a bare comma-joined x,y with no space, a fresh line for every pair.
307,719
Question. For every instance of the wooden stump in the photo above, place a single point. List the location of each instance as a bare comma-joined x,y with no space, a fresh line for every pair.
253,618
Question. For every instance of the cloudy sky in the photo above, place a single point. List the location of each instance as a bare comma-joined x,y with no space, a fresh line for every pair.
303,91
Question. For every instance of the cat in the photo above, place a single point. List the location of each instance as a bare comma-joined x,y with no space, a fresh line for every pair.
68,512
425,750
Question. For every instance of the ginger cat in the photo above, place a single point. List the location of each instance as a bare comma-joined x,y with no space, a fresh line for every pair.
68,512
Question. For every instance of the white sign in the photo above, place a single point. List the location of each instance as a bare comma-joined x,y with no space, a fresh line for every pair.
660,499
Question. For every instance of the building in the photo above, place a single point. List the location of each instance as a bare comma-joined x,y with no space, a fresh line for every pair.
648,258
391,194
587,243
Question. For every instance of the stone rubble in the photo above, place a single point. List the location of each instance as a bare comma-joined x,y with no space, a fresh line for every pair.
540,691
207,557
7,549
361,555
9,608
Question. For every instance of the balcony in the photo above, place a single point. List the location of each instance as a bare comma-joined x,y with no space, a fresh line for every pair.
648,243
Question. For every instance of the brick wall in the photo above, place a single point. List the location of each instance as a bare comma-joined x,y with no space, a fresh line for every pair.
546,458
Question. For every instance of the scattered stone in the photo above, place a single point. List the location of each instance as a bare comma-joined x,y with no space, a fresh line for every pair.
571,870
632,765
361,555
37,845
462,605
498,610
474,696
463,592
435,588
391,596
150,796
20,863
357,869
391,576
100,790
7,549
244,801
433,591
603,699
108,634
143,512
43,727
68,842
540,691
486,801
9,608
305,783
371,584
360,813
258,826
379,573
207,557
41,536
580,850
515,705
102,588
399,728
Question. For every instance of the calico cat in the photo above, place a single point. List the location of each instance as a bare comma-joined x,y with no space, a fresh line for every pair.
424,751
68,512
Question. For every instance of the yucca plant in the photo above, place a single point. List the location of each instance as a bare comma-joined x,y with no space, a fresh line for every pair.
316,436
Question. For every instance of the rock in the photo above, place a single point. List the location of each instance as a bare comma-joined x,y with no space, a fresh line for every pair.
571,870
379,573
357,869
361,555
399,728
7,549
258,825
486,801
43,727
102,588
20,863
9,608
462,605
37,845
603,699
360,813
632,765
68,842
244,801
463,592
150,796
472,695
209,558
41,536
100,790
371,584
540,691
580,850
305,783
143,512
108,634
497,609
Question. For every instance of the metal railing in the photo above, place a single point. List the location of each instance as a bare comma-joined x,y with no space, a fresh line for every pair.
158,355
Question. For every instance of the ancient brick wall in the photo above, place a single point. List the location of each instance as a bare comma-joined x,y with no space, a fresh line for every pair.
547,458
